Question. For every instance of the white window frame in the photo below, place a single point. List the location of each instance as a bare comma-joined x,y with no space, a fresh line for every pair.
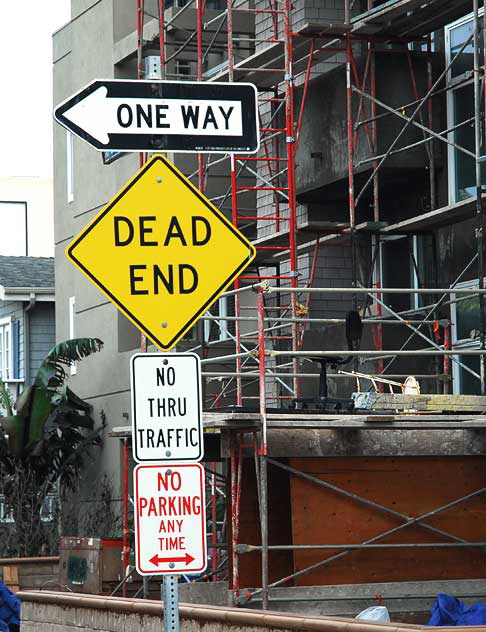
69,167
72,327
6,361
463,343
378,272
222,323
183,63
451,152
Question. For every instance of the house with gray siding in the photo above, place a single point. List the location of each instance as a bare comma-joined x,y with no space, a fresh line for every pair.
27,318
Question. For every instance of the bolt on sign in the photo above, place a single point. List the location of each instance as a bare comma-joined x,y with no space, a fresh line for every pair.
166,407
161,252
170,519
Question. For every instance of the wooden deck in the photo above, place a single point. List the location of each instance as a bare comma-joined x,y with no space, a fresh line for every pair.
317,421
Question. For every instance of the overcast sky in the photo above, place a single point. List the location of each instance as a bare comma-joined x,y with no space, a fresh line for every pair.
26,90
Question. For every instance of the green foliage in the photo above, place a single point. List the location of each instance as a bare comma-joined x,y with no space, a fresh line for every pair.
100,512
5,401
48,402
44,445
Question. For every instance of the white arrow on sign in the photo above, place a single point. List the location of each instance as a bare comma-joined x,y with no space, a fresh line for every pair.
155,115
100,115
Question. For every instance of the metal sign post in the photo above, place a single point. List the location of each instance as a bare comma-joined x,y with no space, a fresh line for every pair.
170,597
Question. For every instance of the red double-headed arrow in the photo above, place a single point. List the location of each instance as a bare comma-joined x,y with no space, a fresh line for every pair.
156,560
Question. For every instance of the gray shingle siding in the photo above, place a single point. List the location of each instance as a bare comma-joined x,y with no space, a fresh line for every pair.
42,334
27,272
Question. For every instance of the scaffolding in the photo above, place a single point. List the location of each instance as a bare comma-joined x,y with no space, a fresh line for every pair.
260,194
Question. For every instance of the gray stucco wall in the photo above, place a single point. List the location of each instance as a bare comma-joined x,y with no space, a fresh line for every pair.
102,379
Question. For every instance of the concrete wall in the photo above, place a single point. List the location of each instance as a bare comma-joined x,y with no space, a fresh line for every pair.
324,126
56,612
83,50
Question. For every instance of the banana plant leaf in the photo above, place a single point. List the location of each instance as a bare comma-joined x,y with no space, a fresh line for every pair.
39,402
52,373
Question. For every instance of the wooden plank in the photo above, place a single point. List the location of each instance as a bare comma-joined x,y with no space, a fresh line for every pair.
406,421
410,485
429,402
376,424
246,417
279,525
11,578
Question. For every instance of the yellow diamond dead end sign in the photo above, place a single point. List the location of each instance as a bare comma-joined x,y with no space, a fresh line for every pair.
161,252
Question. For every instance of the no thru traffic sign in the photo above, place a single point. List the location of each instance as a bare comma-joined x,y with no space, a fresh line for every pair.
161,251
170,519
166,407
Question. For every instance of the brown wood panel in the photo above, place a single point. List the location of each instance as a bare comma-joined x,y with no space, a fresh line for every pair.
280,530
11,578
410,485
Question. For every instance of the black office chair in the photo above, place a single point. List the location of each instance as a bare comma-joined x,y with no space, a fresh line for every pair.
354,332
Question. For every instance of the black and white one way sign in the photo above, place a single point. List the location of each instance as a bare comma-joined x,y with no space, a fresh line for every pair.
166,407
159,116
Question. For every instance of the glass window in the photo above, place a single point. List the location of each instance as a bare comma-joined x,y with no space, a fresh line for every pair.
405,262
467,317
183,69
217,329
468,383
464,166
461,110
458,35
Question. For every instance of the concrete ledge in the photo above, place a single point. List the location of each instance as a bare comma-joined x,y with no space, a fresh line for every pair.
85,610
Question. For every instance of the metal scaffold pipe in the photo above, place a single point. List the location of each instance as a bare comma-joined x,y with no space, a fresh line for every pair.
374,290
248,548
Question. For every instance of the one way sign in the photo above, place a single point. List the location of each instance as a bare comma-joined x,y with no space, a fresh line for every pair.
181,116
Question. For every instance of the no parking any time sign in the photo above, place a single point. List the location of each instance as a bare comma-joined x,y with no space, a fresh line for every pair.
170,519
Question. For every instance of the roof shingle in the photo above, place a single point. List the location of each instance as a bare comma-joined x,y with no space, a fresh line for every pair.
28,272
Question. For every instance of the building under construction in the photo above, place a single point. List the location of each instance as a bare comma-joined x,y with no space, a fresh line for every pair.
344,375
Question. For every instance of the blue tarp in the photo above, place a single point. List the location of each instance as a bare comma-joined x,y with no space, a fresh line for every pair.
9,608
451,611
